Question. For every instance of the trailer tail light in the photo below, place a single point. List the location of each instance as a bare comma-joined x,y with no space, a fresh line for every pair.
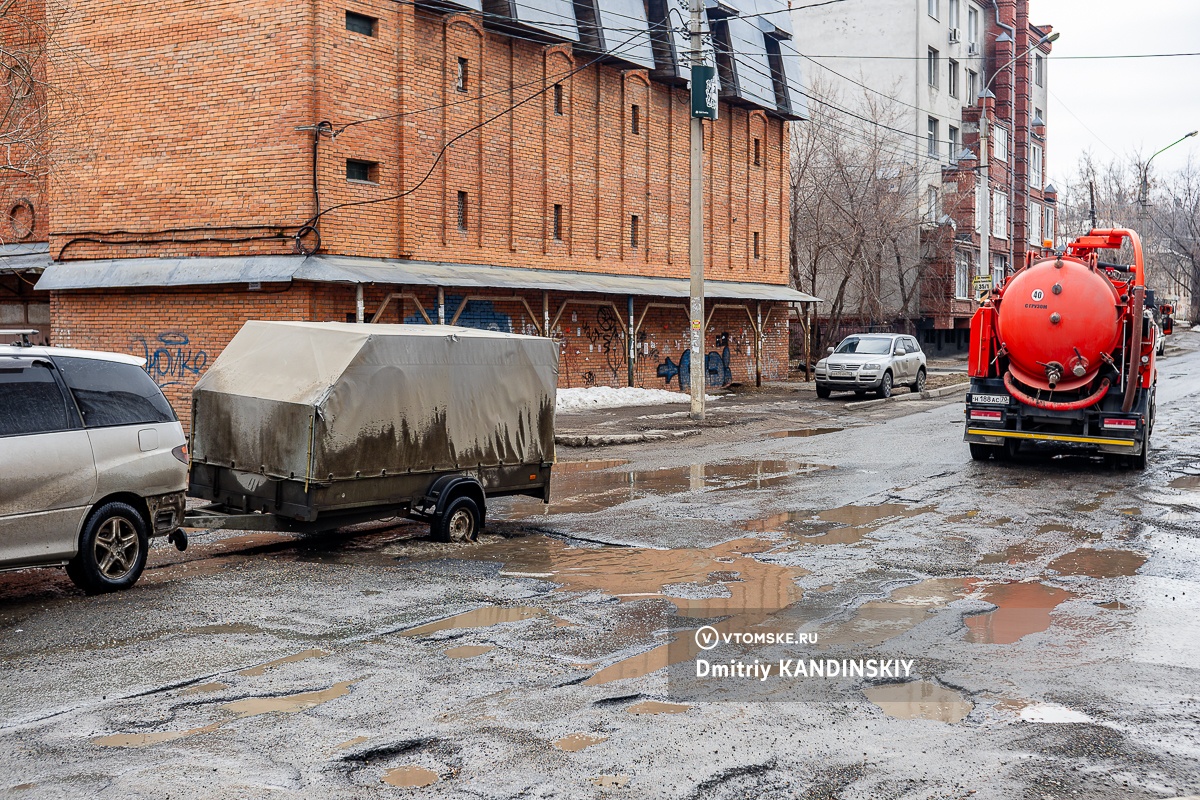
1119,424
986,416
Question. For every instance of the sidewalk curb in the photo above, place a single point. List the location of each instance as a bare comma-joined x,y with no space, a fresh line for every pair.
606,439
929,395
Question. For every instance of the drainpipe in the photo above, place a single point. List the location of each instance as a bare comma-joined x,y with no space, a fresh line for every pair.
1010,166
632,344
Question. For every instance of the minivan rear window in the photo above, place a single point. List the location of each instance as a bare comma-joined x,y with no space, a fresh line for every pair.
110,393
30,401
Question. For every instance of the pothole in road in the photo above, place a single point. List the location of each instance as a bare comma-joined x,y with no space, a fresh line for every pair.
849,524
574,742
468,650
876,621
802,433
410,777
1188,482
596,486
1022,609
484,617
920,700
253,672
1093,563
1094,505
648,707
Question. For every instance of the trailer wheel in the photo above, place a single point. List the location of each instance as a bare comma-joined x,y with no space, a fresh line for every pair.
460,522
979,452
112,550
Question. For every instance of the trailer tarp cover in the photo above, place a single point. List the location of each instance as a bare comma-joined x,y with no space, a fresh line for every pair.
334,401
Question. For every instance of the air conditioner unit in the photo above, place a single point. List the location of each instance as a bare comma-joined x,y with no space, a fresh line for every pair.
973,48
953,35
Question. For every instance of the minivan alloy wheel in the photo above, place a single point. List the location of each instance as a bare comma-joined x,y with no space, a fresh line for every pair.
116,548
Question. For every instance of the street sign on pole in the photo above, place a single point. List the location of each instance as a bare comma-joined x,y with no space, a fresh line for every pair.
705,89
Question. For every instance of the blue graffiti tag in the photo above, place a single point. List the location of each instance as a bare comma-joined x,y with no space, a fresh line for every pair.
171,361
716,370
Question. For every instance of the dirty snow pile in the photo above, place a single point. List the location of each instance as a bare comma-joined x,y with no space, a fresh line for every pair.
607,397
1195,328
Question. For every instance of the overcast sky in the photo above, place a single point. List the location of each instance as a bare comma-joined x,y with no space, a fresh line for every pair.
1121,106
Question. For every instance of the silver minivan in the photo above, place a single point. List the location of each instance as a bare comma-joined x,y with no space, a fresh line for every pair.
93,462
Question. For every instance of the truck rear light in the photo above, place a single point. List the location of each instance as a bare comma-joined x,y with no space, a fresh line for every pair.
1120,424
988,416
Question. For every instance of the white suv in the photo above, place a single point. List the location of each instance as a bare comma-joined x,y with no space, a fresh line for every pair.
93,463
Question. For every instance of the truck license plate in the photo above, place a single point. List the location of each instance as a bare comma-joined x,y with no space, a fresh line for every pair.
990,399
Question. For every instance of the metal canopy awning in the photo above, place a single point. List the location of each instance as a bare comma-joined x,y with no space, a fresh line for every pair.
161,272
34,256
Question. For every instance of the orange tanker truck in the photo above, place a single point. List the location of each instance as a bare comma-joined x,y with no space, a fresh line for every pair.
1064,352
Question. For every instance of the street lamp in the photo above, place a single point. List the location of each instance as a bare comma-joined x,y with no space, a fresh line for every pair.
1146,169
985,191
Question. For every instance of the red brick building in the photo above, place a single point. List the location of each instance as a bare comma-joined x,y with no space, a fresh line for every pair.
1022,205
506,166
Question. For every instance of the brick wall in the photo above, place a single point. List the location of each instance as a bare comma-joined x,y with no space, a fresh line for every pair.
182,331
23,97
191,145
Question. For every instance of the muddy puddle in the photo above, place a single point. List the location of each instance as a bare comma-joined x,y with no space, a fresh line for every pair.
350,742
876,621
802,433
1094,563
1094,505
1186,482
609,781
584,487
920,700
253,672
1020,553
468,650
247,707
574,742
410,777
484,617
716,582
287,704
1023,609
844,525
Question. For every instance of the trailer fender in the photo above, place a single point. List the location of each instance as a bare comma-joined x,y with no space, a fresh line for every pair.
448,487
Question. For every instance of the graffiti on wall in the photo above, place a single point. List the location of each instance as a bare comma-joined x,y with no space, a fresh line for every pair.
171,358
717,371
608,337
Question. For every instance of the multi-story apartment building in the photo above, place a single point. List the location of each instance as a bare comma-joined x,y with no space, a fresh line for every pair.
519,166
933,59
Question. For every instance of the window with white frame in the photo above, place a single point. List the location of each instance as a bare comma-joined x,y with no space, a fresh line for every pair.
1035,223
1039,69
933,8
972,87
955,142
931,66
953,14
1000,264
952,77
999,143
1048,222
933,136
962,275
973,26
931,202
1035,166
1000,215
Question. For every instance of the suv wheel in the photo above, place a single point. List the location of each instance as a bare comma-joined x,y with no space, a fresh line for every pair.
822,391
885,384
112,550
919,385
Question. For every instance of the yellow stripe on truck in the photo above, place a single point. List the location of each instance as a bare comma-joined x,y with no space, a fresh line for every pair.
1051,437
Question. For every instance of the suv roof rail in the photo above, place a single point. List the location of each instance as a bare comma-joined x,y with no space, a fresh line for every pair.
24,333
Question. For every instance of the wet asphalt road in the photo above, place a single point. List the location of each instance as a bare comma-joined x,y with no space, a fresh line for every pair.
1050,606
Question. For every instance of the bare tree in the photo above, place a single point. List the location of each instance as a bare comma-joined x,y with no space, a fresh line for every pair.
855,216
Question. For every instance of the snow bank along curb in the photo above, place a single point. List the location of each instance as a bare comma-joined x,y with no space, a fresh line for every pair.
604,439
929,395
596,397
